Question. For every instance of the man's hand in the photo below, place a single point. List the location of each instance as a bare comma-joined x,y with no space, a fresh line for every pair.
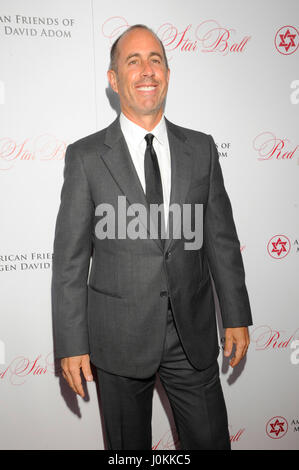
71,371
240,337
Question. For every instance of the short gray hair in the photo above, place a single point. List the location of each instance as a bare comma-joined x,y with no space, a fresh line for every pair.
113,50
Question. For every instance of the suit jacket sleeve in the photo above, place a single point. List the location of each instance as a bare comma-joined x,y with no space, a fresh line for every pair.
72,252
223,250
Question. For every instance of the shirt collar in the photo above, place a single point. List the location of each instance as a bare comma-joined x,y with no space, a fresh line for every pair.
135,134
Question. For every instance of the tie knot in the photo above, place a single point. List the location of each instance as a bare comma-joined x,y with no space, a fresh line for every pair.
149,139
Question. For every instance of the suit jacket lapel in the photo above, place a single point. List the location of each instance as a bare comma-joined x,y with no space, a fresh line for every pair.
181,172
119,162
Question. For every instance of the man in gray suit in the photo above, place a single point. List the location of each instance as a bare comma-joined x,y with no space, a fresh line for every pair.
147,304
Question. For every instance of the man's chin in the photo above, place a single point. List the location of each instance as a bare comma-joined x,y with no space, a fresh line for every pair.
150,110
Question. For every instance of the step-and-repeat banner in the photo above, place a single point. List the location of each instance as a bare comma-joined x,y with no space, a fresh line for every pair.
234,74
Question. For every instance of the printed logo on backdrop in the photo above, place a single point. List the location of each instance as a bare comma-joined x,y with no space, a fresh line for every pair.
277,427
45,147
264,337
170,440
36,26
279,246
25,261
21,368
224,149
236,436
287,40
270,147
204,36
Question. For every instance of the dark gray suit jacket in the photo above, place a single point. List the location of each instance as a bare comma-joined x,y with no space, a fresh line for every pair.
118,311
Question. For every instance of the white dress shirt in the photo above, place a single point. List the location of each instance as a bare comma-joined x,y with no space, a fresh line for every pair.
134,136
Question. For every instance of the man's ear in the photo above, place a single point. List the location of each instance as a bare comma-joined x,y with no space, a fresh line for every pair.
168,75
112,80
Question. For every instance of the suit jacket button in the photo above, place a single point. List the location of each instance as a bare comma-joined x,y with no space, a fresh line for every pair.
163,293
167,254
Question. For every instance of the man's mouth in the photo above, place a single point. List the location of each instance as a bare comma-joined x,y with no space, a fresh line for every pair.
146,87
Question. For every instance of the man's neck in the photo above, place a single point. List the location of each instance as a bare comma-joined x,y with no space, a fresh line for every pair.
147,122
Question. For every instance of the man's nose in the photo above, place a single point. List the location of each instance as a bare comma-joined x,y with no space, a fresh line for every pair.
147,69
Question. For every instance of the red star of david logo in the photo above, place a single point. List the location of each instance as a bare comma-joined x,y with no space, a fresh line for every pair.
277,427
287,40
279,247
287,35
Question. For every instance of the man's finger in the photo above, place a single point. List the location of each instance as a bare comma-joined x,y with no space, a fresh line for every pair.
86,369
239,354
246,346
69,380
75,373
228,346
245,349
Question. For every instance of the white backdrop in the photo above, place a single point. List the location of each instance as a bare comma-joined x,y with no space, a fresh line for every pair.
234,74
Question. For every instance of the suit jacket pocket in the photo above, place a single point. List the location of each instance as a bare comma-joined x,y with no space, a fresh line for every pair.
107,318
104,292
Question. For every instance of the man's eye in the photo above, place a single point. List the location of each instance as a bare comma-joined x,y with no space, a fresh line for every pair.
157,61
133,62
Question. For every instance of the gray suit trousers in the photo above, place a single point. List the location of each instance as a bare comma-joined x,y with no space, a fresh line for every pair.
195,396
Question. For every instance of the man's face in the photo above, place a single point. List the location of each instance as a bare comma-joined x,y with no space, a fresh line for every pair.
141,79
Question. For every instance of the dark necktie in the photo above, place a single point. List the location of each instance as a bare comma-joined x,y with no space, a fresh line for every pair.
153,183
